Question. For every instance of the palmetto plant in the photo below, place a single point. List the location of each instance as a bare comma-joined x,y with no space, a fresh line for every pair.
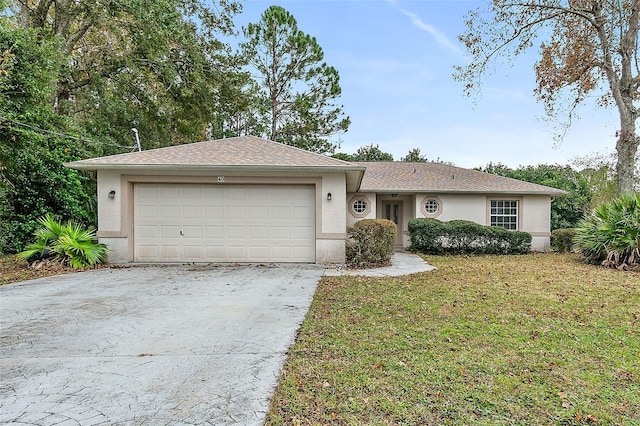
611,233
70,242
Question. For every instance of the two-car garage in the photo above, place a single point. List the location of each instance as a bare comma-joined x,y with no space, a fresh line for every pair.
233,200
223,223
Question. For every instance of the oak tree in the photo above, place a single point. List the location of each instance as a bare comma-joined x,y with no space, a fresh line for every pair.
158,66
587,47
299,88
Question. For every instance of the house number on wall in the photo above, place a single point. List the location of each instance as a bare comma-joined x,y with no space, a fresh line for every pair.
220,179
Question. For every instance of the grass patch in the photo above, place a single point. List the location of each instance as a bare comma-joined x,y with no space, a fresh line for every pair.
13,269
535,339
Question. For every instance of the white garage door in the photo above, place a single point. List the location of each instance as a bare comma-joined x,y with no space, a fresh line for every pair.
224,223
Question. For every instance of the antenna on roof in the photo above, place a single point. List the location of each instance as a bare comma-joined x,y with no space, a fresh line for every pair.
134,130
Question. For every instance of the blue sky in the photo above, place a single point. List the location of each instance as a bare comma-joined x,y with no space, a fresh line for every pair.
396,59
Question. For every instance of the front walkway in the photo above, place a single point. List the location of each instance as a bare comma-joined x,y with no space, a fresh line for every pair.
402,263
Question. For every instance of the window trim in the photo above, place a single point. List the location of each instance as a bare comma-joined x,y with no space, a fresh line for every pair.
423,209
518,215
361,198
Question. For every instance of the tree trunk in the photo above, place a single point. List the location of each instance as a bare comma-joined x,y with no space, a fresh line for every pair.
627,147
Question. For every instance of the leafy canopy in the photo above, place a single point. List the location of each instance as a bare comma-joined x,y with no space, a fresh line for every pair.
588,47
299,89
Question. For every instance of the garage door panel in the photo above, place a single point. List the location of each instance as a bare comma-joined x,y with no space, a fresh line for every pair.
235,193
280,212
237,252
169,212
192,212
193,252
301,212
261,253
230,223
214,232
214,252
301,233
236,232
279,233
168,192
259,233
254,212
235,212
170,232
148,232
214,212
148,211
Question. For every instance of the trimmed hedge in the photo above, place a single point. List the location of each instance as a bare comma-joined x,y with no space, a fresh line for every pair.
370,242
562,239
462,236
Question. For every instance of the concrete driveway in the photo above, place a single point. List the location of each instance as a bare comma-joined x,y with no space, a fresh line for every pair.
149,345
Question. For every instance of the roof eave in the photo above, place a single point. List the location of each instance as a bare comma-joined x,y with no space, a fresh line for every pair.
558,192
79,165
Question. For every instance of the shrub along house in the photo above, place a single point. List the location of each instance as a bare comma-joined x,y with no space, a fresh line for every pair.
247,199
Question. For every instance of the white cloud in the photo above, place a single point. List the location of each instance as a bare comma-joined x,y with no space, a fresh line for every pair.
438,35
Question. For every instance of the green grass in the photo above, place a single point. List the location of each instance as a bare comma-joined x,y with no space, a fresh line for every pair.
536,339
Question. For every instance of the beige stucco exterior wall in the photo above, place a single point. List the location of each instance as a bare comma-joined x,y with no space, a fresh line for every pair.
330,240
534,212
352,217
115,215
536,220
109,208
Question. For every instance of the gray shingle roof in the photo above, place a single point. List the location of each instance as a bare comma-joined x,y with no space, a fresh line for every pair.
438,177
256,153
238,151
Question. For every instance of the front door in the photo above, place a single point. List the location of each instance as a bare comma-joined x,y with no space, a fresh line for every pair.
392,210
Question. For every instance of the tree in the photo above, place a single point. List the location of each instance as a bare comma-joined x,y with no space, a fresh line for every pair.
588,45
566,211
371,153
414,156
33,180
343,156
75,76
598,170
156,66
299,88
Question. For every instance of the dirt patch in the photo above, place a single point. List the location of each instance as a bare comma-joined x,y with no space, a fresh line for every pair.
14,270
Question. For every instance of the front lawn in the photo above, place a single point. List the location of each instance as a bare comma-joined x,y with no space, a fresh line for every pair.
535,339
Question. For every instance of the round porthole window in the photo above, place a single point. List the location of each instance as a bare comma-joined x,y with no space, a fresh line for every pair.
431,206
359,206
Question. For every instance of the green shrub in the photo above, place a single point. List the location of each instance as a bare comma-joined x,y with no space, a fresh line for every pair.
426,235
562,239
370,242
461,236
70,243
610,235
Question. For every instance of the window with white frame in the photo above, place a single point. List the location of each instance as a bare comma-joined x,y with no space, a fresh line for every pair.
359,206
504,213
431,206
